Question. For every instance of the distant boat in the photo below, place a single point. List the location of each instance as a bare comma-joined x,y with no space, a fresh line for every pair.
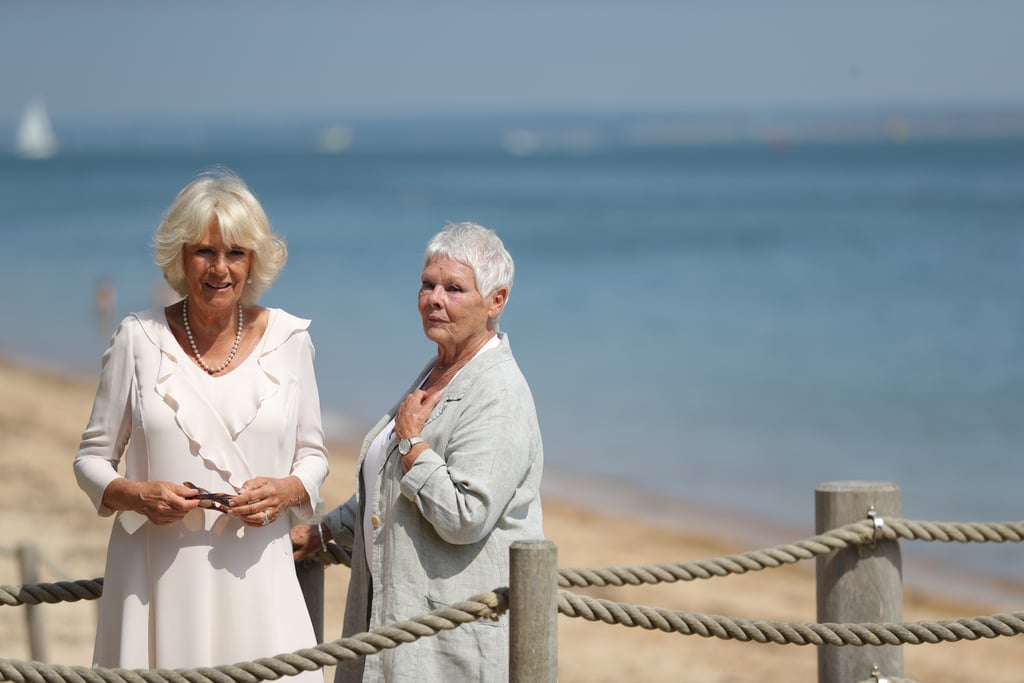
35,138
335,139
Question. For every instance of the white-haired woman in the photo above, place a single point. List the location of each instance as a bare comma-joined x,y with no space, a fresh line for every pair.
212,405
447,479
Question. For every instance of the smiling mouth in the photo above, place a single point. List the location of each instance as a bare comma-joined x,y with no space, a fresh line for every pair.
220,287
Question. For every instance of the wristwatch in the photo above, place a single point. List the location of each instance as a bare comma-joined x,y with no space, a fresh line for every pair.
405,445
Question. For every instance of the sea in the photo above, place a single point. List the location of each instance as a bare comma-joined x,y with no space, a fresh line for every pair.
719,324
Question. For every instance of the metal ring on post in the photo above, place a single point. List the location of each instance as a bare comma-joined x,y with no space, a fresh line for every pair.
878,521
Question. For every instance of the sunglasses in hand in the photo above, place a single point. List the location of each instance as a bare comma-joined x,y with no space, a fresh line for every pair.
217,501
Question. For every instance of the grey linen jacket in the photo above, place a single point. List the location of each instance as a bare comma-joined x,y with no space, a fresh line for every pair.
443,530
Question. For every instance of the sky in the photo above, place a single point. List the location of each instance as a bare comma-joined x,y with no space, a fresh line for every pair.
263,61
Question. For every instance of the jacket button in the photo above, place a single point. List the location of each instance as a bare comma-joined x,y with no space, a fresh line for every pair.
375,522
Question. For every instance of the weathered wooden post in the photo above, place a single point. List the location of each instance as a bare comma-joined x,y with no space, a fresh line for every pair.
311,579
859,584
533,612
28,563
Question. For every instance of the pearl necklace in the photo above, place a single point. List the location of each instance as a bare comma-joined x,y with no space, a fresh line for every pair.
192,341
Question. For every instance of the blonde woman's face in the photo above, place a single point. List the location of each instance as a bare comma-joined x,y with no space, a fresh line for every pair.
215,272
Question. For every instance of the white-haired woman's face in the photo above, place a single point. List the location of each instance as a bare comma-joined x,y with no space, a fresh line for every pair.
215,272
451,306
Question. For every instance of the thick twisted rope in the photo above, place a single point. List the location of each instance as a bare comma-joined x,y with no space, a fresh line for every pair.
950,532
482,606
92,589
746,630
491,605
856,534
51,593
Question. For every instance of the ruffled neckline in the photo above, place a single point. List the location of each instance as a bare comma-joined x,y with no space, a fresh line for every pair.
210,439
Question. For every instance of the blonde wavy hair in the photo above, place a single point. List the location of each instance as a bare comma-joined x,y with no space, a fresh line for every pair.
219,193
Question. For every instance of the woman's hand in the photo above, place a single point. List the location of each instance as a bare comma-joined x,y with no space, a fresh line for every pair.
162,502
409,420
307,539
413,412
262,500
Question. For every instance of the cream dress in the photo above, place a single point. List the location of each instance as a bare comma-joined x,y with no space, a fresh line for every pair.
207,590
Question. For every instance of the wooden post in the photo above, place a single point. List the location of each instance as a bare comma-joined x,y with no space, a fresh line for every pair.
533,612
311,579
28,562
860,584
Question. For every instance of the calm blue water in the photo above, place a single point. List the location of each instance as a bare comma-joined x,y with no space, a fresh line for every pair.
720,324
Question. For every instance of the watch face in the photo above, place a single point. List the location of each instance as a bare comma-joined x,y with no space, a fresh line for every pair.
404,446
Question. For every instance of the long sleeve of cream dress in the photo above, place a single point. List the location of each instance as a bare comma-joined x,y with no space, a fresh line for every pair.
207,590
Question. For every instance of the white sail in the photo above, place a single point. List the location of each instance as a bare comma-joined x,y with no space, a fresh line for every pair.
35,138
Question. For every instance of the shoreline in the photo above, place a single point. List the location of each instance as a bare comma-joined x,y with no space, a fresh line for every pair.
594,523
741,533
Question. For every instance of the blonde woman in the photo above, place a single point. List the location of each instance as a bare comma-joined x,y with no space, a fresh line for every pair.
210,406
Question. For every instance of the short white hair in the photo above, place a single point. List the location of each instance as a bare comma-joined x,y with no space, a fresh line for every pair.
479,248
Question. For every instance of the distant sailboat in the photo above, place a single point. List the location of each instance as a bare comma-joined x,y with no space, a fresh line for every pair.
35,138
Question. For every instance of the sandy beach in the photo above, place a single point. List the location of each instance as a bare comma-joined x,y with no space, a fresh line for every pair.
41,419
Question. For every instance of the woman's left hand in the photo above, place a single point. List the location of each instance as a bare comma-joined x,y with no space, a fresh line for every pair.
262,500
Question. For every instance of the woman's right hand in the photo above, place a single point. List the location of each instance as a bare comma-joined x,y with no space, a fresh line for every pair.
162,502
307,539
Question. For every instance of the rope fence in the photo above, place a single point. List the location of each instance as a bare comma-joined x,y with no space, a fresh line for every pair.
871,533
851,535
483,606
788,633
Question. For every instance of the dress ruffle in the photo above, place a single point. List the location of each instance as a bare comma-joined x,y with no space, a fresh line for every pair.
213,440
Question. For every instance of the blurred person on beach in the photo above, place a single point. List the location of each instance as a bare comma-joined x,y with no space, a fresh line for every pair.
212,405
446,480
104,300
